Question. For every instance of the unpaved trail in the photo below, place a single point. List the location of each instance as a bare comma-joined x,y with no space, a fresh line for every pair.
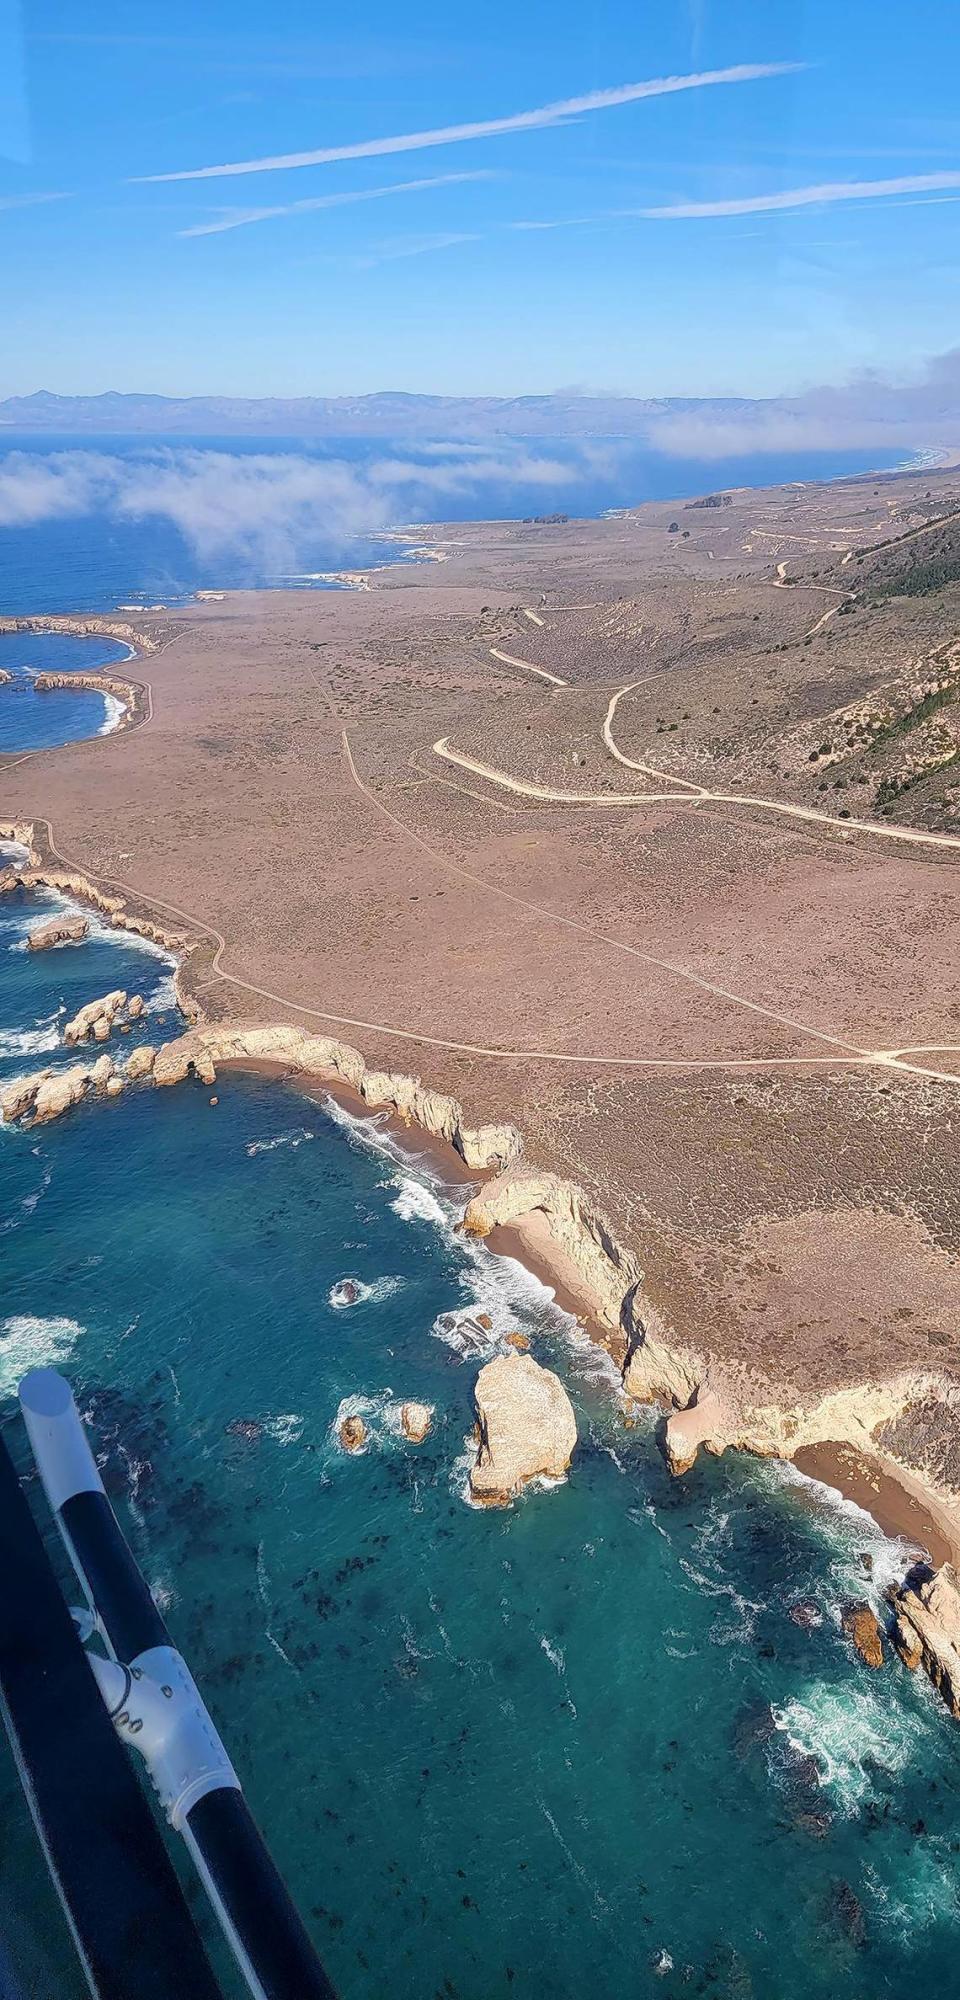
527,667
912,835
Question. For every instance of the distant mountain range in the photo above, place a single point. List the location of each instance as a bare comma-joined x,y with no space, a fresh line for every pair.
389,414
919,414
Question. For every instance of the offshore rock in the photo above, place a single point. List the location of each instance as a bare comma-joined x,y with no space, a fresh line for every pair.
862,1628
927,1629
58,1090
415,1421
60,930
140,1062
96,1018
17,1097
527,1427
135,1006
9,880
352,1433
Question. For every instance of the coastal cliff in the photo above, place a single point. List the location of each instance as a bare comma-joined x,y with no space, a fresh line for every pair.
130,694
145,639
710,1403
202,1049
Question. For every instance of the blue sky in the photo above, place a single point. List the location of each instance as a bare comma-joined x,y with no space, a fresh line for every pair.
414,266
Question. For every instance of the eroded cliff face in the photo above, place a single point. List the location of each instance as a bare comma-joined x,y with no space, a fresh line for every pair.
146,639
129,693
712,1404
203,1048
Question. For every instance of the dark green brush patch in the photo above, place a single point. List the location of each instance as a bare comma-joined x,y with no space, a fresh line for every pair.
914,568
891,789
901,725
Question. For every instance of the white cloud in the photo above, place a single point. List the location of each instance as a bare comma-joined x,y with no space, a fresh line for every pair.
269,510
489,128
803,197
238,218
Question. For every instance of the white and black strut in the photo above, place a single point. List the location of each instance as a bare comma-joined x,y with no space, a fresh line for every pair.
154,1705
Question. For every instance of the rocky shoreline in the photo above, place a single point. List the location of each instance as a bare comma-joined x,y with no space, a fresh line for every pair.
704,1407
131,695
144,639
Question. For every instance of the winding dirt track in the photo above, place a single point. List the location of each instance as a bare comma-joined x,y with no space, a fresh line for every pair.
686,791
841,1050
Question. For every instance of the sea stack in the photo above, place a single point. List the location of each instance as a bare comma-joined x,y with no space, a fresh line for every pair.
415,1421
526,1424
60,930
352,1433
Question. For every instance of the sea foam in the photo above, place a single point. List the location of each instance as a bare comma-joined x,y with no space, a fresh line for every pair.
850,1731
29,1342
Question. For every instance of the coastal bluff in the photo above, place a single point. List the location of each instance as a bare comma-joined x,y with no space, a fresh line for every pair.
202,1049
926,1629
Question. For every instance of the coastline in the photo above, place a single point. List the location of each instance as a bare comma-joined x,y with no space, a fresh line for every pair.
551,1221
901,1502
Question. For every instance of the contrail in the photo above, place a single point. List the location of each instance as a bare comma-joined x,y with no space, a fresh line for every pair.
488,128
238,218
803,197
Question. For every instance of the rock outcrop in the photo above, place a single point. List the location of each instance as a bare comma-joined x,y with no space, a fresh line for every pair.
45,875
352,1433
321,1056
128,693
581,1232
927,1628
60,930
862,1628
140,1063
415,1421
686,1430
48,1093
527,1427
144,639
96,1018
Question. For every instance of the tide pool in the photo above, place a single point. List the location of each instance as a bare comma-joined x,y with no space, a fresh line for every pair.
577,1745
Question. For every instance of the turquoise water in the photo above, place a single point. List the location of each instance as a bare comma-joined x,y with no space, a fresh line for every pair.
576,1745
32,721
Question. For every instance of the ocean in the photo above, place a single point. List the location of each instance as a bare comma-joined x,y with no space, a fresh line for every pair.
86,525
579,1744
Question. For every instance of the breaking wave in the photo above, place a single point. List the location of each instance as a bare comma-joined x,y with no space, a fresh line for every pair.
286,1429
292,1139
115,712
28,1041
29,1342
851,1733
353,1292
